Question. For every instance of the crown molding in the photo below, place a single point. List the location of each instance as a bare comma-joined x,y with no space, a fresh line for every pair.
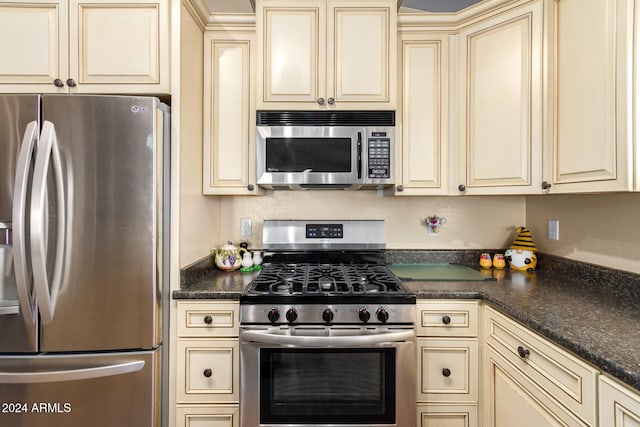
454,20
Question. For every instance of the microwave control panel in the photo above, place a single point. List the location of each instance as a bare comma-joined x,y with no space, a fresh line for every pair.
379,156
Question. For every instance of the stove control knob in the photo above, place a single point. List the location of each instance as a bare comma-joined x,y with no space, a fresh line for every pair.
291,315
364,315
382,315
273,315
327,315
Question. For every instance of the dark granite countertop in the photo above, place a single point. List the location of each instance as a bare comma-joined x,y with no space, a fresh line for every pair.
591,311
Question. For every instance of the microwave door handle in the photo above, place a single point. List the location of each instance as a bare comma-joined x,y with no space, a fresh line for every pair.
359,155
336,341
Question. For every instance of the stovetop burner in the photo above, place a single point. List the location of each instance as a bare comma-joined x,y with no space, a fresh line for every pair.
325,279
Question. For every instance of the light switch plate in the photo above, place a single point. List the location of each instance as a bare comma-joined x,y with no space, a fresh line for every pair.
245,227
553,229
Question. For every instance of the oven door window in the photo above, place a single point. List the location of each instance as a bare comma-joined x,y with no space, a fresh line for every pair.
301,154
327,386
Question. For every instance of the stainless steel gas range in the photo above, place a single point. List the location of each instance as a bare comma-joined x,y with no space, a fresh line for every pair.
327,332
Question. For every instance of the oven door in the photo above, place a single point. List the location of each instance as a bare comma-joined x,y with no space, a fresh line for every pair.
309,155
327,376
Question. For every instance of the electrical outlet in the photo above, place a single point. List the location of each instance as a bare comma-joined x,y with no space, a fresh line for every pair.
553,229
245,227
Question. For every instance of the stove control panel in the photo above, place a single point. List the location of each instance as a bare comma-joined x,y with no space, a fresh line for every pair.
324,231
334,314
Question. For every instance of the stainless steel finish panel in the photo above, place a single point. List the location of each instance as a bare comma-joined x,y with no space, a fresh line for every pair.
110,295
318,180
291,235
16,112
405,374
342,313
109,396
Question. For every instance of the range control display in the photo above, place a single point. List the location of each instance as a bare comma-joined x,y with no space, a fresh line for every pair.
325,231
379,158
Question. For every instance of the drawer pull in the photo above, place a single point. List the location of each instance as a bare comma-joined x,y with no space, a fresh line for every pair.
446,372
207,373
523,352
208,319
446,320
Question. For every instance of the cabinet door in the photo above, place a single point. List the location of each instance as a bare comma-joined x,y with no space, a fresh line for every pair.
33,45
361,52
500,133
229,113
592,143
208,416
424,138
513,400
291,53
119,46
447,416
619,406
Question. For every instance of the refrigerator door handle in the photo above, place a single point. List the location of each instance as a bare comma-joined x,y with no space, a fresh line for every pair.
46,293
22,268
71,374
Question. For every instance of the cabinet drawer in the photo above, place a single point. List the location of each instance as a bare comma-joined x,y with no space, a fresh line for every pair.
437,318
562,375
447,415
619,405
447,370
208,319
209,416
208,370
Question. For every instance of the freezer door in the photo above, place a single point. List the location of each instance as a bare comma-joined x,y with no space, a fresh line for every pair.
18,330
120,389
108,293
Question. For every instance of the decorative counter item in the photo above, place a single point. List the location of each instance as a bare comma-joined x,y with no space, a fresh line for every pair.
257,258
434,223
485,260
228,258
498,261
521,254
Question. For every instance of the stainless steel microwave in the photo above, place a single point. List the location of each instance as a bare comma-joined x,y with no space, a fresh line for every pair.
325,149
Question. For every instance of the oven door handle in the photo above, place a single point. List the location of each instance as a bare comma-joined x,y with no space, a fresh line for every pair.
320,341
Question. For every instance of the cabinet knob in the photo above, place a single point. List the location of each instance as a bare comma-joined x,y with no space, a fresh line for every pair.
208,319
446,372
71,83
523,352
58,83
250,187
462,188
207,373
320,101
331,101
400,188
446,320
546,185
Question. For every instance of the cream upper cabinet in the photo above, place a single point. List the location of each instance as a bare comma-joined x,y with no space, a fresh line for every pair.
499,132
229,112
422,129
590,129
317,54
85,46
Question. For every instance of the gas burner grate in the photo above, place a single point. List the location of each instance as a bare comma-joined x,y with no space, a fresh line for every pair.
325,279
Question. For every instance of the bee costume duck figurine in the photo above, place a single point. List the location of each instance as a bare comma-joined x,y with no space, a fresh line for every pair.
521,254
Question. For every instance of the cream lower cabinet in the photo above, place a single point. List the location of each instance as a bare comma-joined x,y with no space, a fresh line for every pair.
528,381
423,131
590,127
84,46
207,364
448,361
499,120
619,406
229,113
321,54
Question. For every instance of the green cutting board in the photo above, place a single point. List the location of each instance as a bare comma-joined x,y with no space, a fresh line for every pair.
435,272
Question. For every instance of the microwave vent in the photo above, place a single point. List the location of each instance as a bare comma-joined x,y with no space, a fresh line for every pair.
326,118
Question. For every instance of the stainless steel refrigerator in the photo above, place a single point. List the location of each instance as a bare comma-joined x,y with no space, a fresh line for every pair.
82,251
